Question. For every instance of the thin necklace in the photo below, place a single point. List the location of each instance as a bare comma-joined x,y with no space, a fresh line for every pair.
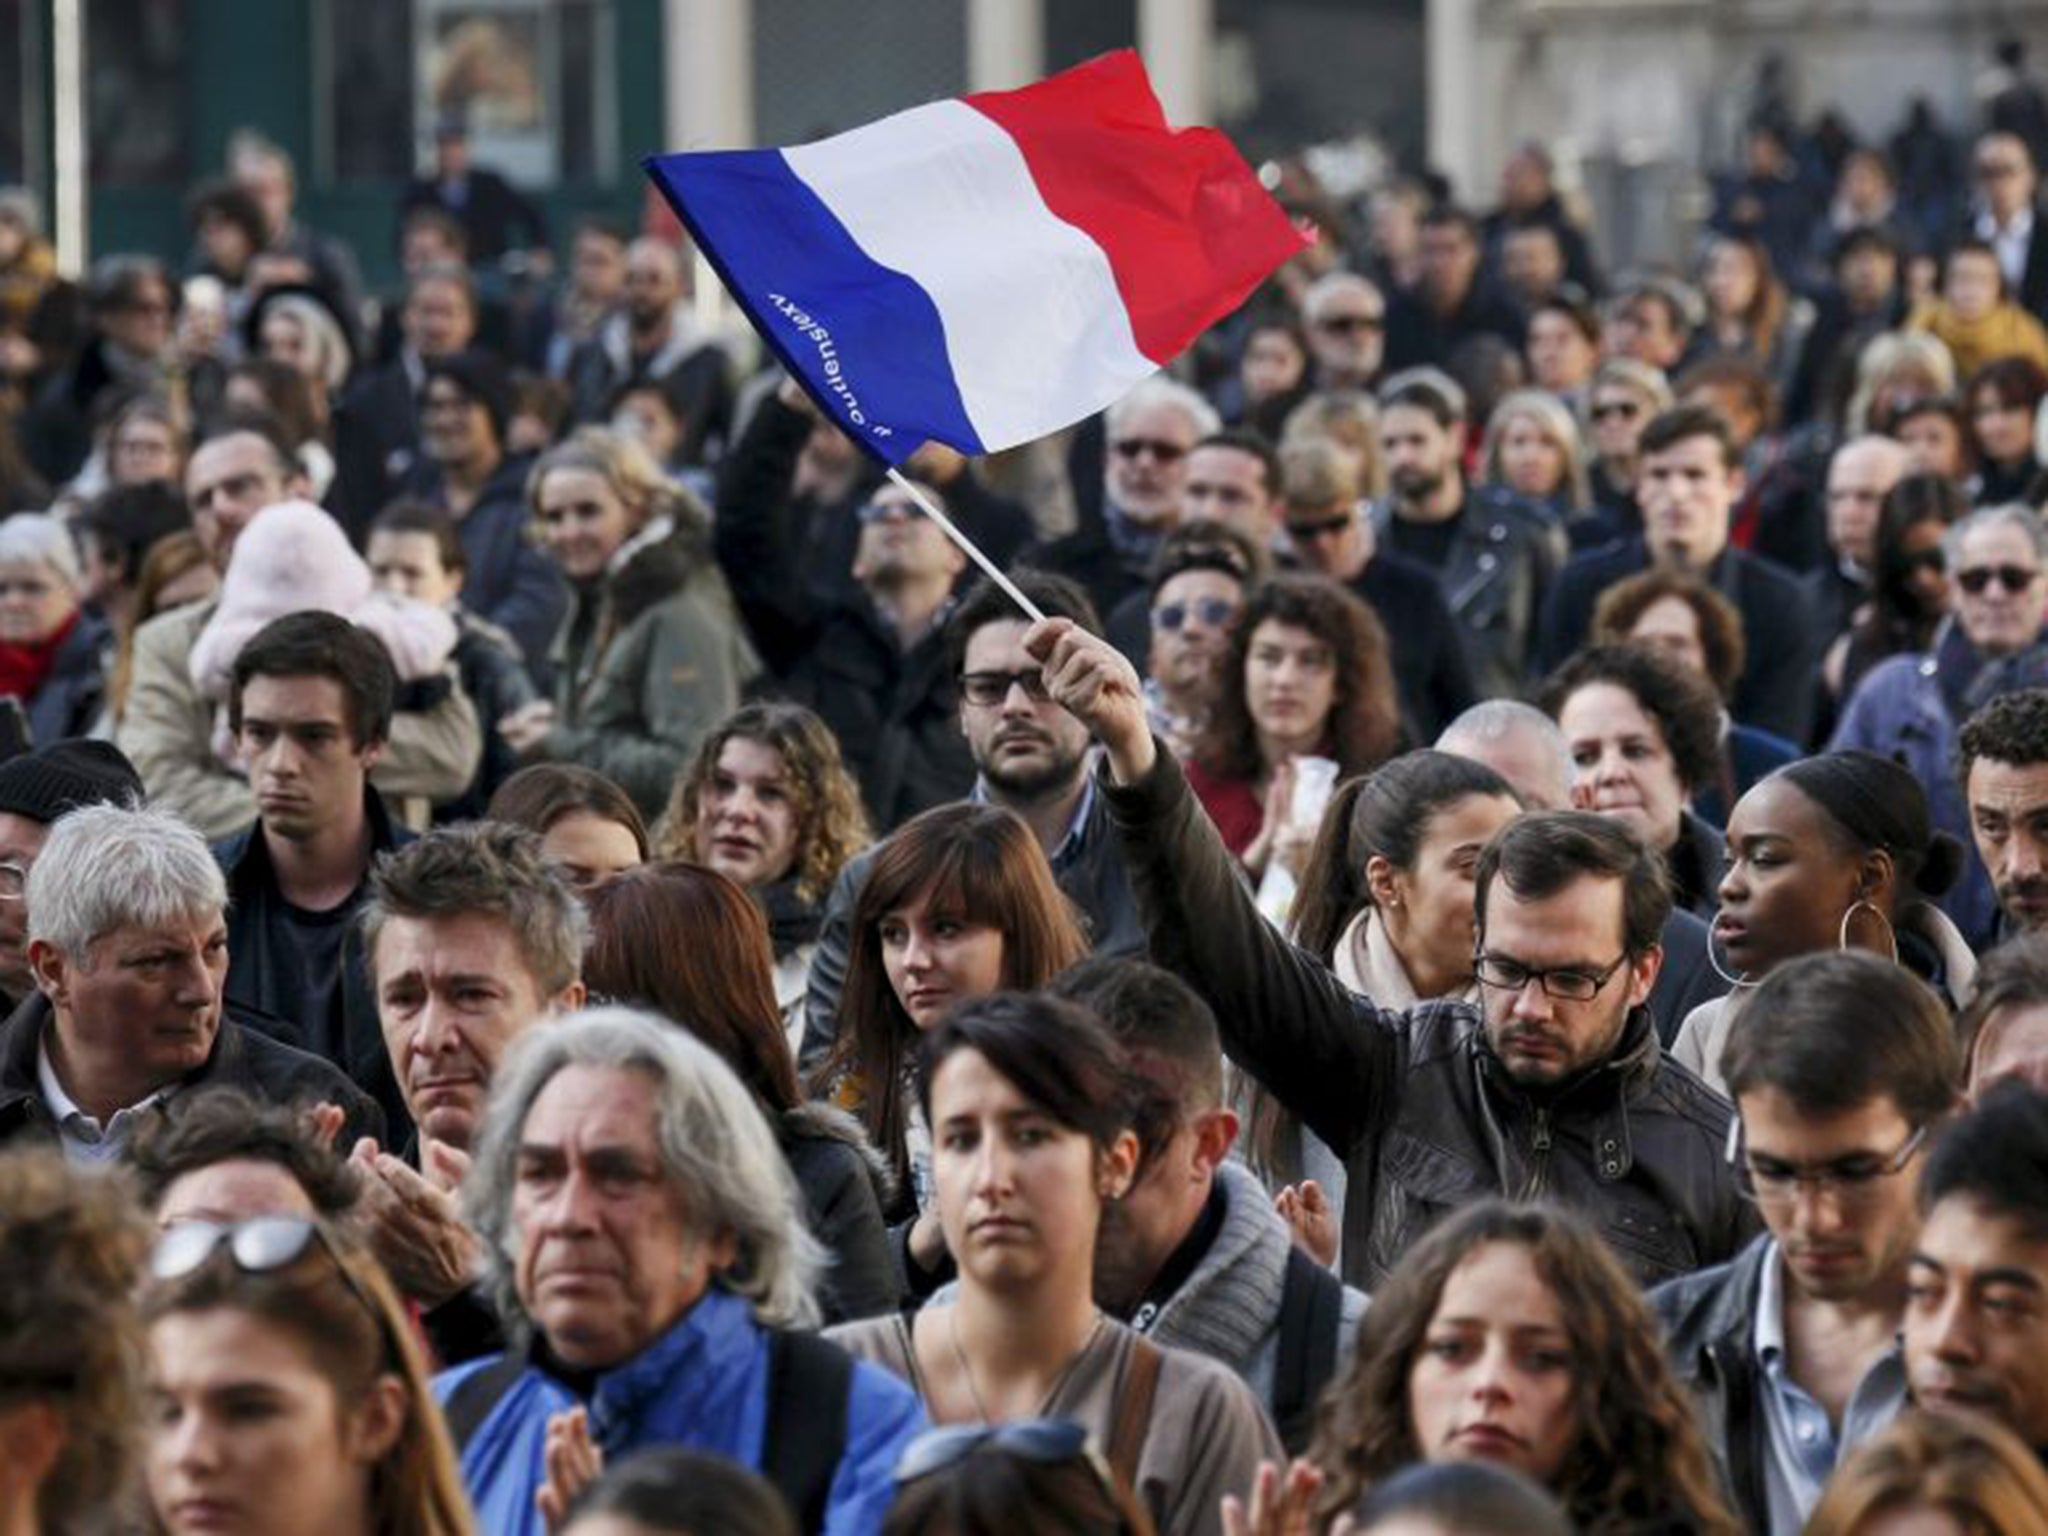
1059,1381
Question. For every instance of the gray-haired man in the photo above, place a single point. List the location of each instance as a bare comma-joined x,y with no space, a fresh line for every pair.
128,943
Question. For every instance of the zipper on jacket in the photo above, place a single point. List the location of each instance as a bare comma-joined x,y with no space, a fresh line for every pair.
1539,1143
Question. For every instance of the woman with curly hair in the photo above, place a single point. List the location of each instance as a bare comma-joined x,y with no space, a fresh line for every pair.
1510,1334
71,1347
769,804
1645,736
958,903
1307,675
1965,1476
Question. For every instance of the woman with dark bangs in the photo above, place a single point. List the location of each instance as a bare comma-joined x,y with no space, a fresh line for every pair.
1307,674
1582,1400
2002,399
959,903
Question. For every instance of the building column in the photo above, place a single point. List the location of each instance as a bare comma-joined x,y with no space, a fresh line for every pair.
1176,37
1005,43
708,49
1452,52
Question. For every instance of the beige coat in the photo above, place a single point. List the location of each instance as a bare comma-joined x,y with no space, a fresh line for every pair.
1208,1431
167,732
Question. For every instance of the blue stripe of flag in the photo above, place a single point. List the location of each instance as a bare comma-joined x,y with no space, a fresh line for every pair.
864,338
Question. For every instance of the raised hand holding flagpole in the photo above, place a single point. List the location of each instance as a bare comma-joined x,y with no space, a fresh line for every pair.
987,270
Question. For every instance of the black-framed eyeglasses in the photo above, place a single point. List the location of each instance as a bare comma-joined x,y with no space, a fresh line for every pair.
1849,1179
2014,578
1216,612
1568,983
985,690
1047,1442
260,1245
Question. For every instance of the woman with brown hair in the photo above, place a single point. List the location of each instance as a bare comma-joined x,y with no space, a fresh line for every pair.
1307,674
687,943
585,822
958,903
289,1394
1937,1475
1578,1395
71,1348
769,804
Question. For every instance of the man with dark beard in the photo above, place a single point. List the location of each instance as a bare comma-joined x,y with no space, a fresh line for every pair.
2002,755
1031,757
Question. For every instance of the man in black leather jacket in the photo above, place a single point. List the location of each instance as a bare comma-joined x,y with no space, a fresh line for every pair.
1556,1087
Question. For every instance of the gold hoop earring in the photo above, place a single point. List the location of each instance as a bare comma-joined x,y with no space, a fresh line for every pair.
1863,903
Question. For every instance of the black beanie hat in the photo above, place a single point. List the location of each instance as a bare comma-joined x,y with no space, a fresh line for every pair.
1881,804
42,785
485,380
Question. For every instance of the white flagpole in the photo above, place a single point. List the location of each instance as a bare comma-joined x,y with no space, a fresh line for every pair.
968,547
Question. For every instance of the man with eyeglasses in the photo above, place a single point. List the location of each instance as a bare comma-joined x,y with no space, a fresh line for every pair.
1346,317
1911,707
167,729
35,789
2005,213
877,672
1553,1084
1149,435
1976,1326
1030,756
1840,1065
1327,527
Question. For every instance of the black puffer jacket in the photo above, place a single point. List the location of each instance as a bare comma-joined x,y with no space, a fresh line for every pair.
1423,1113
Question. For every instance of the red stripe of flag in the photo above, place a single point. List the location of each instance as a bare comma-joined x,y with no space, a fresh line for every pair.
1186,226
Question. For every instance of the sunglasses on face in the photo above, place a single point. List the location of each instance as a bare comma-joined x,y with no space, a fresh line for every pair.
1307,530
1216,612
2013,578
1345,325
890,511
1627,410
1163,451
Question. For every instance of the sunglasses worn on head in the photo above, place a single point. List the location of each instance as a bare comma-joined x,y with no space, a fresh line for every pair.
259,1246
1159,448
2014,578
1215,612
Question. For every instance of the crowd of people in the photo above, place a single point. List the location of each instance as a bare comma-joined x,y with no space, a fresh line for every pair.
569,967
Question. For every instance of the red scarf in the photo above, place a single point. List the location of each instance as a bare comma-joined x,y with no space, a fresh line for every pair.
24,664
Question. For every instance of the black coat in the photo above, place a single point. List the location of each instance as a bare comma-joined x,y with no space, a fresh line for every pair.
896,714
495,215
1775,691
241,1058
1414,1101
72,690
845,1184
264,977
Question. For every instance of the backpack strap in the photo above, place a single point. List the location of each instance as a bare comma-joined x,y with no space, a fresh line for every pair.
808,1382
1133,1420
478,1393
1311,1318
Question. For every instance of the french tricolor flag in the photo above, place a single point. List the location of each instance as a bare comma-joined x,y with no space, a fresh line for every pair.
985,270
